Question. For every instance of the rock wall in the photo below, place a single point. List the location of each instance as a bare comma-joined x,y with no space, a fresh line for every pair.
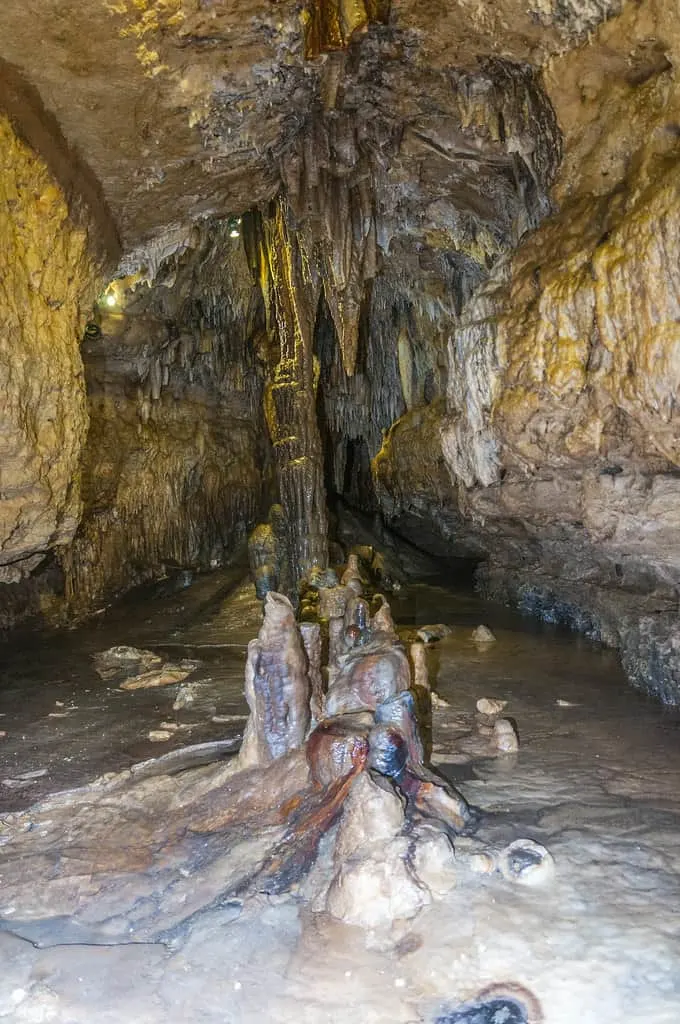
173,469
562,424
176,464
47,280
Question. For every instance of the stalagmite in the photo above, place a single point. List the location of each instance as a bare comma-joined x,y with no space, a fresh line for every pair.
277,686
382,621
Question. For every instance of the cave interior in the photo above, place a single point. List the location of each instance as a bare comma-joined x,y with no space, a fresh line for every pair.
353,326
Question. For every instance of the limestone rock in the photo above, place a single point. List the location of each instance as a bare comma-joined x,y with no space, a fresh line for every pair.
46,274
483,635
490,705
505,736
124,659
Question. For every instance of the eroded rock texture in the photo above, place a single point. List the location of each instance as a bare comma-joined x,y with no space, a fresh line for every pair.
47,280
561,428
175,466
406,324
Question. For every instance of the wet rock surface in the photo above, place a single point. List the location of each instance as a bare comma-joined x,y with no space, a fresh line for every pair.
593,782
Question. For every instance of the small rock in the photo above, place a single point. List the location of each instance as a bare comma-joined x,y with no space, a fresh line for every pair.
186,695
170,726
566,704
430,634
124,659
3,733
483,635
165,676
437,701
505,737
526,862
490,706
37,773
160,735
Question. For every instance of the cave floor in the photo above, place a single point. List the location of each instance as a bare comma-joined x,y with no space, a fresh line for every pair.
595,781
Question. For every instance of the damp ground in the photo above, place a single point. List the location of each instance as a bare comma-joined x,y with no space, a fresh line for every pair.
596,781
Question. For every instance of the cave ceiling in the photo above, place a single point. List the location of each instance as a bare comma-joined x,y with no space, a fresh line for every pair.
184,109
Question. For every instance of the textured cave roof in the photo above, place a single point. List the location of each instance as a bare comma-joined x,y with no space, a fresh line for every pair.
172,110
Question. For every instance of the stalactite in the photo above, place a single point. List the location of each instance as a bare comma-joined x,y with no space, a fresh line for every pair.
329,183
332,24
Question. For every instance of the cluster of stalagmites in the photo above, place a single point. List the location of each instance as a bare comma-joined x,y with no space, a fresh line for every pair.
357,727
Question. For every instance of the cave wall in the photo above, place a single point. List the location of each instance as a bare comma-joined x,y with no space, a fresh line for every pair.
175,470
48,279
158,442
561,424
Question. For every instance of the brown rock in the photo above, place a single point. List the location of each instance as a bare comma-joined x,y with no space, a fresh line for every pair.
278,688
165,676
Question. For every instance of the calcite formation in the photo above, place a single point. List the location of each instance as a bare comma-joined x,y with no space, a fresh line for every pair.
278,688
366,764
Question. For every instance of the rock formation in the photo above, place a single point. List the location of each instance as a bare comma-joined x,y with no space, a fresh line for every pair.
47,280
413,255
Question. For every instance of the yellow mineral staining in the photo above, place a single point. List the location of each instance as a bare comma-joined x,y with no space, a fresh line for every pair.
602,334
291,291
144,18
410,462
47,281
332,24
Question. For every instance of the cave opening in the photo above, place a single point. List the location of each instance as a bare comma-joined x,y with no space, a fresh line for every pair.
339,490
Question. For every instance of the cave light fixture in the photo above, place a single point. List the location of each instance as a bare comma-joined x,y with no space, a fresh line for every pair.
234,225
112,298
115,296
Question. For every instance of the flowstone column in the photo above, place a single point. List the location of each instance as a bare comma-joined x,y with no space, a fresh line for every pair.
291,287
